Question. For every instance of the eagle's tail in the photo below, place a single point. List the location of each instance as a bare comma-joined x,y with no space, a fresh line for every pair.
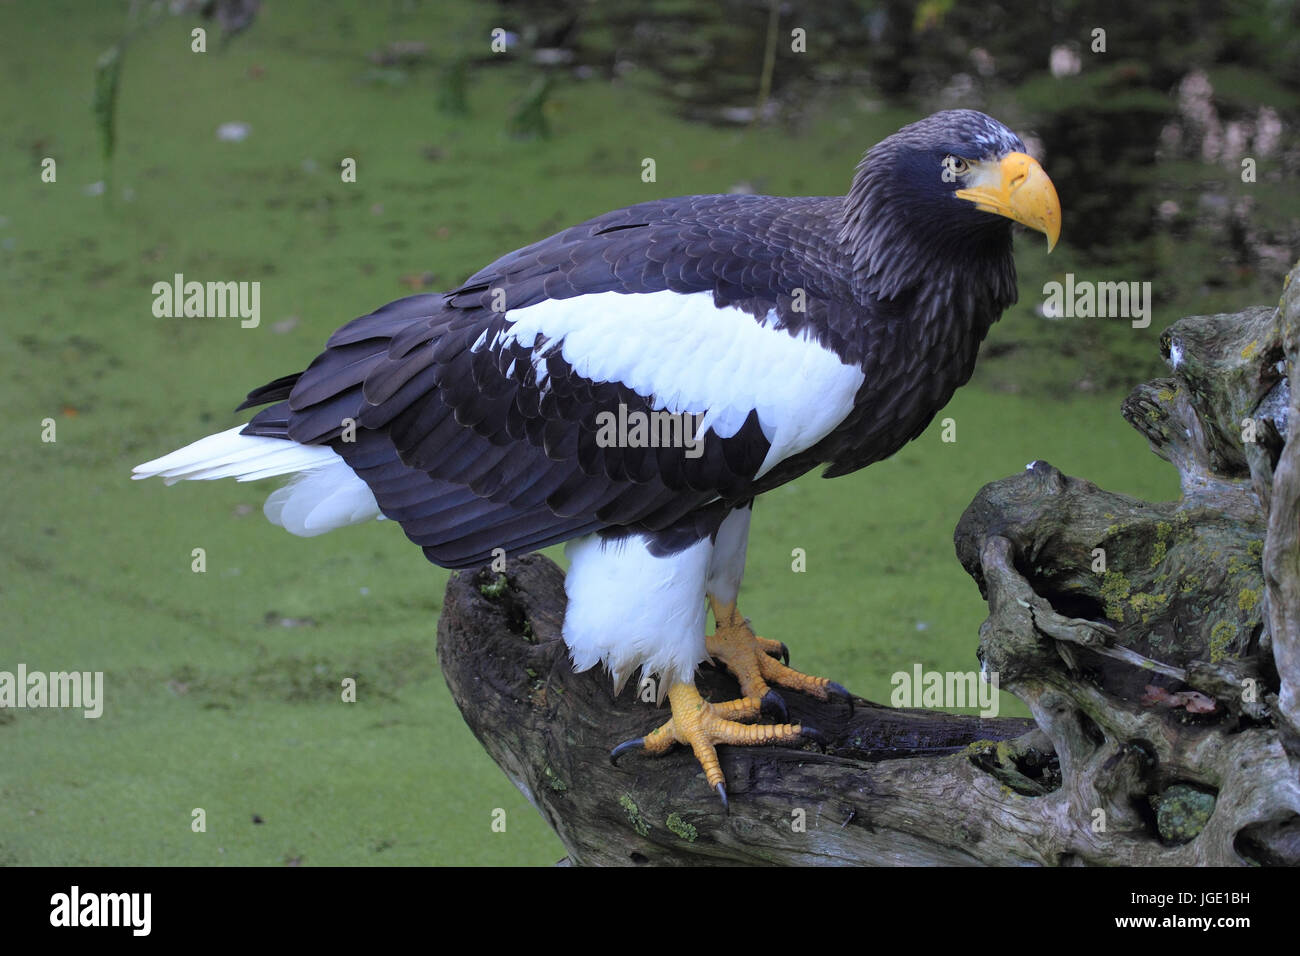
324,494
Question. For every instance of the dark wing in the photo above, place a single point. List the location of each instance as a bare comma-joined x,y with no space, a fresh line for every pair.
474,436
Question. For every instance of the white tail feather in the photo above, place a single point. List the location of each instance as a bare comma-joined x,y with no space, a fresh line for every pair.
322,500
325,493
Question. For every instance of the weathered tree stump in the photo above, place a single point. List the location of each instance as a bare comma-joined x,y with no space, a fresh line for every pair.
1156,645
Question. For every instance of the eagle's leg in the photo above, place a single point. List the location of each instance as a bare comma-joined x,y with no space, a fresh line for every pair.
702,726
752,659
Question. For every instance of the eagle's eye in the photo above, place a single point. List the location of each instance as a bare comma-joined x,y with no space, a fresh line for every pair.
956,165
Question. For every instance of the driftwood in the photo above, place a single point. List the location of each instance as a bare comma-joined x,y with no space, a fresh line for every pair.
1156,645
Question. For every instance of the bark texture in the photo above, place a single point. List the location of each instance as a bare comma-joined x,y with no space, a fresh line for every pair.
1157,646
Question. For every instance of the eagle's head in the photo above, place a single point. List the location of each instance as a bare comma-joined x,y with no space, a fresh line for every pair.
943,191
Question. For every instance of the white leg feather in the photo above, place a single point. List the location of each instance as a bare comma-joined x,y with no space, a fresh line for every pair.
631,609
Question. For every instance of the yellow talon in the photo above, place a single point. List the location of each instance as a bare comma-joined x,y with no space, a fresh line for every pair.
702,726
749,657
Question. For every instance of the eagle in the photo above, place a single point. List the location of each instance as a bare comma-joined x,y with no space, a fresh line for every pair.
631,385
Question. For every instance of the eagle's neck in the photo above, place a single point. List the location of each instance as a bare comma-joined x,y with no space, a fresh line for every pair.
929,293
896,243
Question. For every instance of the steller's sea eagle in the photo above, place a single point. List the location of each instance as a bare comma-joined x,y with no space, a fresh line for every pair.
630,385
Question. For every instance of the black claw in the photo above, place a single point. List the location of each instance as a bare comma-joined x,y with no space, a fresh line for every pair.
839,690
624,747
783,654
773,705
813,734
722,794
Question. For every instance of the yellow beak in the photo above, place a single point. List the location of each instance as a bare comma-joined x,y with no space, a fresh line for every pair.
1016,188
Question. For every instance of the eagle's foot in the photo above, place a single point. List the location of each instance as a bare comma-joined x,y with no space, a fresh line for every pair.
752,659
702,726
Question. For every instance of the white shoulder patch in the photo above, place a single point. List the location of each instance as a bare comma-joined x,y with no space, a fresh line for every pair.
690,356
